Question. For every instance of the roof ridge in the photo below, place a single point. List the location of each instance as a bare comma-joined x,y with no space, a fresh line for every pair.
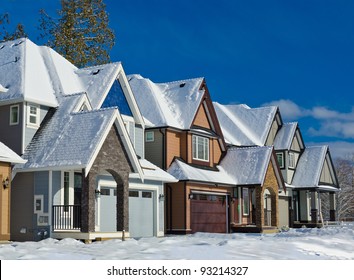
99,65
179,81
96,110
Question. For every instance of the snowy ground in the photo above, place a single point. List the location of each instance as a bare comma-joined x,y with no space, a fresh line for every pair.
330,243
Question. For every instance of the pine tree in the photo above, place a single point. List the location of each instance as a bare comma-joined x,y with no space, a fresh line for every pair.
5,35
81,33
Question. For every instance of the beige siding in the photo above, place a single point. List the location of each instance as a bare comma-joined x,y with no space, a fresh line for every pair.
154,149
201,118
295,146
326,174
5,172
272,133
217,151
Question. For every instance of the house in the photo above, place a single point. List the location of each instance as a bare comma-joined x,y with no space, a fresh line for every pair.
8,158
81,132
183,136
300,204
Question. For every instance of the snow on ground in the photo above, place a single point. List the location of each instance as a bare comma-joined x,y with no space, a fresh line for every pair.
329,243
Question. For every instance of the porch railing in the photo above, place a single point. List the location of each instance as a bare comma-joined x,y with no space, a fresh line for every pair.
66,217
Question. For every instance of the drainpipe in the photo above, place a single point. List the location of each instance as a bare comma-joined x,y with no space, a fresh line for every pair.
162,131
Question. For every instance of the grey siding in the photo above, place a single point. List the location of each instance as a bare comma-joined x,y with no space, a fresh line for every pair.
139,141
154,150
22,216
56,179
31,131
13,135
41,183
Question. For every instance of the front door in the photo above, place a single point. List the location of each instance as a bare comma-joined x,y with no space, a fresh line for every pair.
107,209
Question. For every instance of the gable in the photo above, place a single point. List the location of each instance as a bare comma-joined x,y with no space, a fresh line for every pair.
327,173
201,118
116,98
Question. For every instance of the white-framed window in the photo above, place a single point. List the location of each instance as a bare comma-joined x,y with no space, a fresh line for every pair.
14,114
280,158
38,204
200,148
291,160
149,136
33,115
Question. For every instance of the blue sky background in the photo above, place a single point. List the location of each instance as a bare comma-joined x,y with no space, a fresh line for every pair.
298,55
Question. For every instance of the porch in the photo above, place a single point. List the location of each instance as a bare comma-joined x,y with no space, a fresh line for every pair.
66,223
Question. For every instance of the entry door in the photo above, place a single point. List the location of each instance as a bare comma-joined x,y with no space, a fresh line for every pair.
108,209
141,213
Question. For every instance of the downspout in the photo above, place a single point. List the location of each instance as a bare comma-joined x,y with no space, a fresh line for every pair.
163,132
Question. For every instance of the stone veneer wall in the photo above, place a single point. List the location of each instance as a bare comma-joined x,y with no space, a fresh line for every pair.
111,158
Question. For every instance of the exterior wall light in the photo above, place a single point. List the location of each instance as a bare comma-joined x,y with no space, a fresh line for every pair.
6,183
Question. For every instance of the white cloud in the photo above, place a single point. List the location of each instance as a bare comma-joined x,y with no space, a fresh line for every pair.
289,110
331,123
338,149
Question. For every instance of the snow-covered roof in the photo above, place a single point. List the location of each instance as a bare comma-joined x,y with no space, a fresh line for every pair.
152,172
245,126
72,139
240,166
309,167
24,75
39,74
183,171
285,136
8,155
247,166
173,104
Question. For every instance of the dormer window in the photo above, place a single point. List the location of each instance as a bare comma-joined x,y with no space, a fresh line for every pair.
200,148
32,115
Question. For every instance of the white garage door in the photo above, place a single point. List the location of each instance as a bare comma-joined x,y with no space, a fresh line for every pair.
141,213
108,210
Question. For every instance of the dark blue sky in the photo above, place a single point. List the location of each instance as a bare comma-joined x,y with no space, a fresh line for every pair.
295,54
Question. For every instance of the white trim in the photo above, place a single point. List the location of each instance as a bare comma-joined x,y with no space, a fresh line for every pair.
50,198
195,150
36,115
151,133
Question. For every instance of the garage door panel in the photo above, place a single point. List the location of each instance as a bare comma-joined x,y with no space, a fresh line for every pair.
209,214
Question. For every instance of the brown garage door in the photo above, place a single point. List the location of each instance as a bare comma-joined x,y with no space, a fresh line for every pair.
208,213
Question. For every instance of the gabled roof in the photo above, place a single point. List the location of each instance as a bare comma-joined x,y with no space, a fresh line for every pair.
247,166
8,155
71,139
285,136
24,75
245,126
171,104
240,166
309,167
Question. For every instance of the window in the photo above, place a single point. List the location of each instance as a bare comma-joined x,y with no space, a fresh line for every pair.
200,148
147,194
133,194
280,157
33,115
246,201
291,160
149,136
38,204
14,114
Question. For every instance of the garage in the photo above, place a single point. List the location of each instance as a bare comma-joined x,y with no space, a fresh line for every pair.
141,213
283,211
209,212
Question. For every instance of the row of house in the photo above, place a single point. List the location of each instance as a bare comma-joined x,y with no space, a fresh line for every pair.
96,154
